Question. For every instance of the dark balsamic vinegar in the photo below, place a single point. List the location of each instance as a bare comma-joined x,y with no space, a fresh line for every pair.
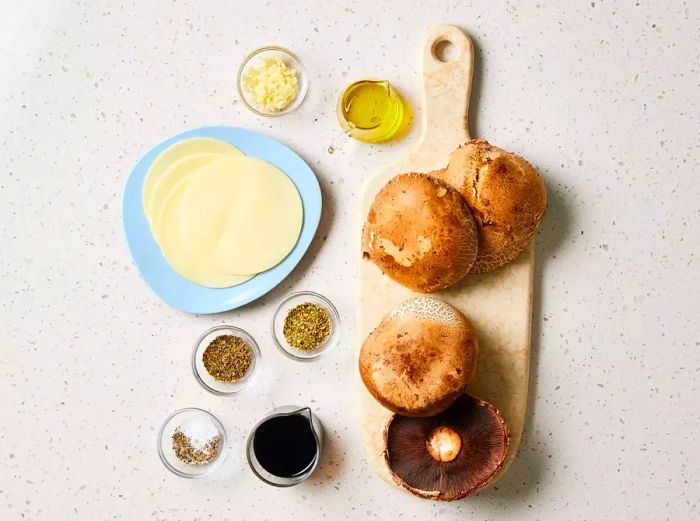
285,445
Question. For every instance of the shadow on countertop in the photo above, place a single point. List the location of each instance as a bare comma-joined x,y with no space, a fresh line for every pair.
535,457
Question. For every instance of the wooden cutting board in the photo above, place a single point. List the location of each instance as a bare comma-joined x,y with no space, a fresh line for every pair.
498,304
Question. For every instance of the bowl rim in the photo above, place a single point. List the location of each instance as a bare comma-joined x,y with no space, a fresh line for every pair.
212,466
335,317
257,357
303,81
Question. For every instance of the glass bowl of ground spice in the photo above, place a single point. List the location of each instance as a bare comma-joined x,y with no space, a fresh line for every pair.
191,442
305,326
225,360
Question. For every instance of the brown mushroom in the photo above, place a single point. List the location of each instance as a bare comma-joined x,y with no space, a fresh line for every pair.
420,358
420,233
506,196
448,456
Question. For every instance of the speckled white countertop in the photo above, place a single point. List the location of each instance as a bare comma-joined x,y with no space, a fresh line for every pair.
602,97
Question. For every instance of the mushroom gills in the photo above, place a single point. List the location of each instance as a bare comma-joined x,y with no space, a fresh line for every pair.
447,456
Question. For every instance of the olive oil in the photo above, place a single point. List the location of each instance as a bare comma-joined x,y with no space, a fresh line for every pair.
371,110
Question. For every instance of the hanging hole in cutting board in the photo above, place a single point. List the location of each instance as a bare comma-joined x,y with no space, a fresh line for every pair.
445,51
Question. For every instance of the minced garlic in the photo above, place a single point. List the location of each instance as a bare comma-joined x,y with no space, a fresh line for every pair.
272,85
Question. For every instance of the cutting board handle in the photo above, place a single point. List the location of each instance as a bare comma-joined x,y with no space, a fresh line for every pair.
447,86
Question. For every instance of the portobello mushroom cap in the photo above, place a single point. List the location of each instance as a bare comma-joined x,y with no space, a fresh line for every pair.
506,196
448,456
420,358
420,233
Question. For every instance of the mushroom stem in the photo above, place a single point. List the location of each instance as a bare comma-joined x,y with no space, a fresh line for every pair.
444,444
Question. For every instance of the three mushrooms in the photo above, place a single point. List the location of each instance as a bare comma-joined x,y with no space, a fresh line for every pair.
427,232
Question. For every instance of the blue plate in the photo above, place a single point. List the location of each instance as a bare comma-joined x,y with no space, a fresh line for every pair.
178,291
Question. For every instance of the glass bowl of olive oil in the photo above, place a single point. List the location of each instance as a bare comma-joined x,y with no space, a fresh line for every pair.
371,110
305,326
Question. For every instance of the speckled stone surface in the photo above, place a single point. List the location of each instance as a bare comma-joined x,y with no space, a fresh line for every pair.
602,97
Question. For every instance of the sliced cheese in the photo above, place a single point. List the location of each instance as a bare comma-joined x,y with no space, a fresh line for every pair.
177,151
246,213
191,263
179,171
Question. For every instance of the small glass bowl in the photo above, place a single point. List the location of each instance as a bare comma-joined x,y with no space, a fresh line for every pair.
291,60
283,308
210,383
165,443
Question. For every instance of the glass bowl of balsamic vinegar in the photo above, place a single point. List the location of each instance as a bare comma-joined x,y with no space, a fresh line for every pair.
284,448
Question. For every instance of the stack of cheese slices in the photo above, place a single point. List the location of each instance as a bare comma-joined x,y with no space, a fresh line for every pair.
220,217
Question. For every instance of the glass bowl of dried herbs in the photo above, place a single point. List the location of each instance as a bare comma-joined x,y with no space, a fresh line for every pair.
305,326
225,360
191,442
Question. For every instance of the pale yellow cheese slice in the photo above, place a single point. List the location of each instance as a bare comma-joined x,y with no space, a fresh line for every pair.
191,263
180,170
244,211
177,151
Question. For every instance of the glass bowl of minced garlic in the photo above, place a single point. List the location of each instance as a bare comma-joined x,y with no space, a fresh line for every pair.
225,360
306,326
272,81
